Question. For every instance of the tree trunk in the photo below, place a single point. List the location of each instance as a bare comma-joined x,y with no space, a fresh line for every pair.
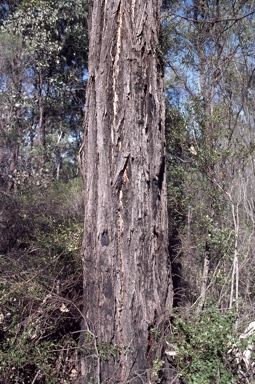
127,282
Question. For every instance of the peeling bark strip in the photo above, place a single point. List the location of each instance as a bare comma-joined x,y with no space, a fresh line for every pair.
127,282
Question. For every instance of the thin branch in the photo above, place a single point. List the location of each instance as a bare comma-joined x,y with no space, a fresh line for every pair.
36,376
180,77
235,19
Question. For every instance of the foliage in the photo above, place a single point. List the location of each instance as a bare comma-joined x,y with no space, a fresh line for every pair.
210,151
42,89
202,344
42,92
40,311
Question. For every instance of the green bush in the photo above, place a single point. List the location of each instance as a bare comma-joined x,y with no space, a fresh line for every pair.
202,344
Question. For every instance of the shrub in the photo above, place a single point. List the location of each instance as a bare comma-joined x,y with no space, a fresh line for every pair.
201,344
41,284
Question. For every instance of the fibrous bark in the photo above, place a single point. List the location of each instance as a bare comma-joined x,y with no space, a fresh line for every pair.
127,282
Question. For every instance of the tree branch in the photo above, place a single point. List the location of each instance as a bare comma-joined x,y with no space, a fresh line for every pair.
235,19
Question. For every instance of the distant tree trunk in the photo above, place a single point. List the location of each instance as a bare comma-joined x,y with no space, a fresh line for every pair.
127,281
13,160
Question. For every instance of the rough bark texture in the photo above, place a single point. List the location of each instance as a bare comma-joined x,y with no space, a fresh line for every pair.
127,282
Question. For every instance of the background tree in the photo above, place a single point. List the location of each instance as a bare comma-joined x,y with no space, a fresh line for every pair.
127,283
47,96
213,73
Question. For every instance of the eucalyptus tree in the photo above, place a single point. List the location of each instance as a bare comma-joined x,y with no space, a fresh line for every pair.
127,282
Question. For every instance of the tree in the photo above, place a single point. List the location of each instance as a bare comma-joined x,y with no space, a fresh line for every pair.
127,282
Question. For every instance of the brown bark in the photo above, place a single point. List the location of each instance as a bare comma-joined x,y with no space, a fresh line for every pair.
127,282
